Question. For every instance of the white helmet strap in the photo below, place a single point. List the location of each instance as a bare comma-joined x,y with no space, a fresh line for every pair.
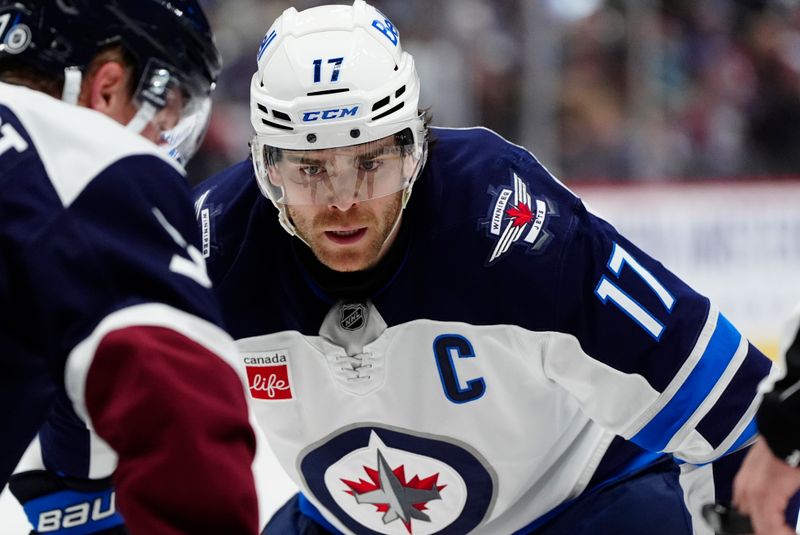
72,90
144,115
72,85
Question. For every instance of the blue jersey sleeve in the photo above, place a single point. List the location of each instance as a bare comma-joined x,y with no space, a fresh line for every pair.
676,375
128,238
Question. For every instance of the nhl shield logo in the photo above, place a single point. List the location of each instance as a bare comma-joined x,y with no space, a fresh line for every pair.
517,218
352,316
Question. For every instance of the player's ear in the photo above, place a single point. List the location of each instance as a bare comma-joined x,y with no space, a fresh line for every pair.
106,91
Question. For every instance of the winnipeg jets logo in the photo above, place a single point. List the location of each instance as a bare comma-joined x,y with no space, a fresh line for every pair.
391,490
517,218
392,495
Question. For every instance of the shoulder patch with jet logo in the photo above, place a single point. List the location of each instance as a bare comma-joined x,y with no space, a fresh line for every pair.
517,218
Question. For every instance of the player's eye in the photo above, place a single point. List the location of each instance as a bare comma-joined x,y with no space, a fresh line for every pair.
369,165
312,170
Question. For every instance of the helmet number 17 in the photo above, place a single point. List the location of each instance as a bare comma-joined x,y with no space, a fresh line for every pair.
336,62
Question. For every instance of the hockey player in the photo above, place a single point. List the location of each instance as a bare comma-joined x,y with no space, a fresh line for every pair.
769,476
484,355
107,311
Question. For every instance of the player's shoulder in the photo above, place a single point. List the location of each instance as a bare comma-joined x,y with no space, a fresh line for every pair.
236,182
471,136
479,181
229,195
76,145
224,204
477,157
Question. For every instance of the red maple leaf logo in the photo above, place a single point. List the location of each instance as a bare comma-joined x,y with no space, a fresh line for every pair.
521,215
362,486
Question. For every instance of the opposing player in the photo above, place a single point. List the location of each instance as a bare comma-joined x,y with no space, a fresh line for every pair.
107,321
484,355
770,476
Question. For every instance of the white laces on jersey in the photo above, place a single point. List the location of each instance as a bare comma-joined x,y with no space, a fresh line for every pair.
355,368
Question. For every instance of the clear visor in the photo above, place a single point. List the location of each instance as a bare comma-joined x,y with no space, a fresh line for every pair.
169,114
337,176
182,141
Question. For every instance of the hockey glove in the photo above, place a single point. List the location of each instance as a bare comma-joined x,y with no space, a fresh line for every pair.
67,505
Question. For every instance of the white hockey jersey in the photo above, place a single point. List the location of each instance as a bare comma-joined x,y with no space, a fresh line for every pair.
511,353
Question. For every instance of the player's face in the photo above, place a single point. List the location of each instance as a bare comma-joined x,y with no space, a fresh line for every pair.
341,176
348,238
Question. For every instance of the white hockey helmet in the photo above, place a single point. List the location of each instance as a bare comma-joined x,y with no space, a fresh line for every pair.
335,77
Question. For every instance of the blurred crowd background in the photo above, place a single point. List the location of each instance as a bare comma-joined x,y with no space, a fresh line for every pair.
599,90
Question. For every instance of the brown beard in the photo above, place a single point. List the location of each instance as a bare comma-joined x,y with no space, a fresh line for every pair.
348,260
334,218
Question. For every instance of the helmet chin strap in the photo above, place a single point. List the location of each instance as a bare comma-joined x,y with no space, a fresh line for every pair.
143,116
72,85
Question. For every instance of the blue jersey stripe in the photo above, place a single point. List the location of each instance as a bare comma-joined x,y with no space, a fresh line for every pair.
748,434
712,364
309,510
717,424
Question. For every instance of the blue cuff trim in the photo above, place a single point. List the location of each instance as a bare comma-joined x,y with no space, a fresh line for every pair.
748,434
712,364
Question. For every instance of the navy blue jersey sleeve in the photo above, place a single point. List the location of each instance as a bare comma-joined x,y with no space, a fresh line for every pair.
128,238
653,359
644,354
223,206
118,301
108,309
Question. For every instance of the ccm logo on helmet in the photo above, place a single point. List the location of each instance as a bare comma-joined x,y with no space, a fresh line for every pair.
327,115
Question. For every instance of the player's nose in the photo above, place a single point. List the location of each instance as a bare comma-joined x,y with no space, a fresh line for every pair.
342,201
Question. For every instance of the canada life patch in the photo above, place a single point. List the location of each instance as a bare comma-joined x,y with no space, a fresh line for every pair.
268,375
516,218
